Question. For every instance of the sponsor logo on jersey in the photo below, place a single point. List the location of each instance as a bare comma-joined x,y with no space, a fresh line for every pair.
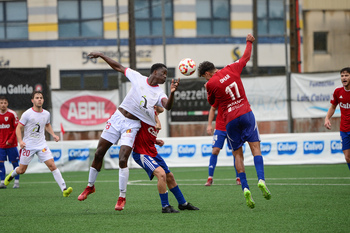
78,154
186,150
286,148
346,105
336,147
206,150
87,110
4,126
114,152
165,151
313,147
56,154
265,148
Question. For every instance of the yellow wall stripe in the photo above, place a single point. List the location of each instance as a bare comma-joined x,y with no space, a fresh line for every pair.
242,24
185,25
43,27
112,26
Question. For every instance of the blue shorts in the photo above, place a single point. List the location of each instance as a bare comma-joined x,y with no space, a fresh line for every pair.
149,164
219,139
11,153
345,140
242,129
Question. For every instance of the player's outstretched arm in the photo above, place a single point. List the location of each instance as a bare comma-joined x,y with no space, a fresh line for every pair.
248,49
327,122
19,135
112,63
49,129
168,103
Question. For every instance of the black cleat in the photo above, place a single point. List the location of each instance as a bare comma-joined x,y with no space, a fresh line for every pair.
169,209
188,206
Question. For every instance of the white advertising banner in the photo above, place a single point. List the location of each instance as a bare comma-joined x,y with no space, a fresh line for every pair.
82,110
267,97
277,149
311,94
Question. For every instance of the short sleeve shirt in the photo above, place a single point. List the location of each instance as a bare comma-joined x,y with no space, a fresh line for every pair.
342,97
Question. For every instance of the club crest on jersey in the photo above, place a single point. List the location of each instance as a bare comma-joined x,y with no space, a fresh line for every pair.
6,118
128,131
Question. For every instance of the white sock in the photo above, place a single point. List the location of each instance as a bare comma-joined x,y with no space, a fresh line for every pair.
123,181
92,176
14,173
59,179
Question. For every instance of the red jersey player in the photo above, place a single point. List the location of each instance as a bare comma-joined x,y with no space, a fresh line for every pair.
219,138
145,154
225,87
341,96
8,140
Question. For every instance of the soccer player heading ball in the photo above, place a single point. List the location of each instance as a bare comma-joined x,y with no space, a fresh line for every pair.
225,88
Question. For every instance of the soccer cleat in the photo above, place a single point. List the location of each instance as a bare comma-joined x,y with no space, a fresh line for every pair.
120,204
16,186
188,206
209,182
169,209
265,191
2,186
88,190
248,198
67,192
238,181
8,179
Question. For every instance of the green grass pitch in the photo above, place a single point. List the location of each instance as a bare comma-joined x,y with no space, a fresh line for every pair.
305,198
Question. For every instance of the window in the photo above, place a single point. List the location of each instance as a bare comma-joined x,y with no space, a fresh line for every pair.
80,18
270,17
89,79
213,17
320,42
13,20
148,18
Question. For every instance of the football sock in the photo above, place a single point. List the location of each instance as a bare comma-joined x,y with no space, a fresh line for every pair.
2,171
234,164
259,167
244,181
349,165
164,199
123,181
92,176
15,164
59,179
212,164
178,195
14,172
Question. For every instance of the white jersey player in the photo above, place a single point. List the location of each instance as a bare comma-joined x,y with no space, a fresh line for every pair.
34,122
125,122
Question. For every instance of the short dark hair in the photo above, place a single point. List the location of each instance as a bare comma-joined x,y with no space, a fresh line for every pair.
157,66
36,92
204,67
347,69
2,97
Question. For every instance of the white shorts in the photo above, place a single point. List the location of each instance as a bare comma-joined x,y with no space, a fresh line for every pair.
119,127
26,156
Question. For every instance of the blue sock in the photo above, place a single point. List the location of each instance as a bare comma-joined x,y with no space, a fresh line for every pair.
259,167
178,195
212,164
164,199
244,181
234,164
2,171
15,164
349,165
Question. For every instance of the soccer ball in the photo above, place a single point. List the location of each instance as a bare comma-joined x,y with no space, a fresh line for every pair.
187,66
